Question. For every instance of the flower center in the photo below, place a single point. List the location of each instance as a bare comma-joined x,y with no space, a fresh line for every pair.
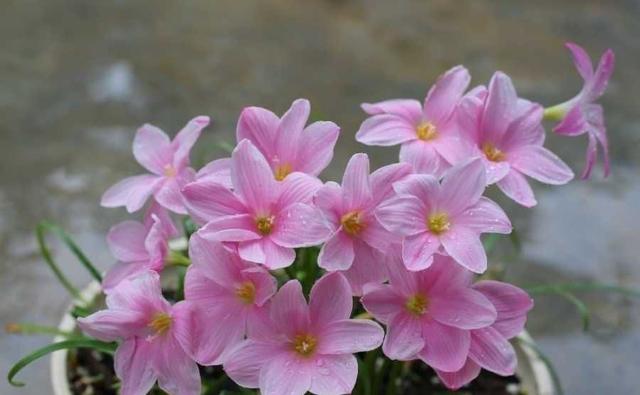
426,131
160,323
438,223
492,153
246,292
282,171
265,224
352,222
417,304
170,171
305,344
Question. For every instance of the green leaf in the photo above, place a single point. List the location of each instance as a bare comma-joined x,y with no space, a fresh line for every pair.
582,308
584,287
490,242
63,345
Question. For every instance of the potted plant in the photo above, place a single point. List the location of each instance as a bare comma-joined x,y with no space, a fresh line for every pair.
285,284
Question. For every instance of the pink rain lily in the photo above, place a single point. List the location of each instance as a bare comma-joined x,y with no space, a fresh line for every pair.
305,348
350,211
581,114
287,144
427,133
267,218
444,217
149,332
231,295
429,314
490,348
507,133
139,247
167,160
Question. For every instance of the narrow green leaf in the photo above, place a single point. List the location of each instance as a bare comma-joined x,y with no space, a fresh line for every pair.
582,308
25,328
66,344
587,287
514,236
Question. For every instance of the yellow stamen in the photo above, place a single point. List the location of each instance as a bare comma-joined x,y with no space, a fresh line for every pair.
160,323
438,223
304,344
426,131
417,304
246,292
352,222
264,225
492,153
170,171
282,171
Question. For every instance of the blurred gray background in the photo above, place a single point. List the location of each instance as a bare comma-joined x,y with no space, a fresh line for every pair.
78,77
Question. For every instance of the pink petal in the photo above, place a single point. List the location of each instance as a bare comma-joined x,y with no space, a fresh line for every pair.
330,300
169,195
240,227
423,186
418,250
132,367
208,293
336,374
386,130
602,74
177,373
464,246
245,361
403,215
446,347
423,157
468,118
317,143
277,256
462,186
350,336
454,149
329,200
445,94
492,351
217,171
141,294
207,200
375,235
126,241
462,377
252,251
525,130
382,180
462,308
214,261
541,164
444,276
408,109
368,268
252,177
381,301
573,124
298,188
159,217
402,280
112,325
495,171
121,271
131,192
356,185
510,302
288,136
404,338
337,253
300,225
289,310
581,60
259,126
485,217
152,149
266,285
499,107
282,375
516,187
186,138
592,156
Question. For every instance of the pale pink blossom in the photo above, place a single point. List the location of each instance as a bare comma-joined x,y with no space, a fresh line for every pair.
349,209
167,160
427,133
266,218
139,246
582,114
507,133
305,347
490,348
444,217
287,144
429,314
230,294
149,332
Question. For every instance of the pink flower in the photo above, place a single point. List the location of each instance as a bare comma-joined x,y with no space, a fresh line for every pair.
231,295
169,163
139,247
429,314
490,348
305,348
444,217
582,114
350,211
507,133
268,219
427,132
287,144
149,331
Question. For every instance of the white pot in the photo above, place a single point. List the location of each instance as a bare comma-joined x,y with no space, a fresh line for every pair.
534,375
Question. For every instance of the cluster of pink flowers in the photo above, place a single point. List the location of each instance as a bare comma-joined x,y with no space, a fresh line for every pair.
404,239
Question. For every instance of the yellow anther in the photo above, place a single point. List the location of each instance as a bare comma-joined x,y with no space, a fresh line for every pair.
417,304
426,131
304,344
352,222
160,323
492,153
282,171
264,225
438,223
246,292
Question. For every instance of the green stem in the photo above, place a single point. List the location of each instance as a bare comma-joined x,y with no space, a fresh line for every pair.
48,258
392,386
555,113
24,328
564,287
176,258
